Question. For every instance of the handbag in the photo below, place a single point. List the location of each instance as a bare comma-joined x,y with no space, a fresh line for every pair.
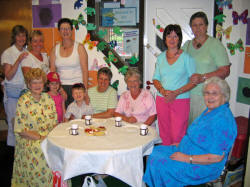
13,91
90,182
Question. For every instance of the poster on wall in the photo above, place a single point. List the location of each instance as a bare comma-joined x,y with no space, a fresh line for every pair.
118,17
131,41
243,92
46,16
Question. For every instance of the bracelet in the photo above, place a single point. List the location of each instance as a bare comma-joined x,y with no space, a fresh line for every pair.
191,159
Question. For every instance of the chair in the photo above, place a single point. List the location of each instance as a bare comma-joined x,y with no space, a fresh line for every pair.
219,181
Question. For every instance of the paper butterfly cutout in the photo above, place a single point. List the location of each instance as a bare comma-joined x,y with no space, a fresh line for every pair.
232,47
220,18
242,17
102,33
113,44
80,20
95,66
91,26
220,31
89,42
123,69
224,3
90,11
78,4
115,85
133,60
117,31
101,46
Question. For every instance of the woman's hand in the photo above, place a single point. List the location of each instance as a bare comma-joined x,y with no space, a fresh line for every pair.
131,119
169,95
22,56
72,117
180,157
196,78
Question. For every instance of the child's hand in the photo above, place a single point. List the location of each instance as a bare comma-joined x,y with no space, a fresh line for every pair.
83,116
72,117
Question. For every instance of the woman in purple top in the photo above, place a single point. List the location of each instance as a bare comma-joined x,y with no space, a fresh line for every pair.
136,104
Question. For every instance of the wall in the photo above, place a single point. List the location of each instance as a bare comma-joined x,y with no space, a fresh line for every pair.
237,60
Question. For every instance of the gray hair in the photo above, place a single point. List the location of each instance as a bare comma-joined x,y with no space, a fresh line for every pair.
224,87
132,72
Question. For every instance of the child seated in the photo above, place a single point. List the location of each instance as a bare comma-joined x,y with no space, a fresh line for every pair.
78,108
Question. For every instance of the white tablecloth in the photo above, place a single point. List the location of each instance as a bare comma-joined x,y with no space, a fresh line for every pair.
119,153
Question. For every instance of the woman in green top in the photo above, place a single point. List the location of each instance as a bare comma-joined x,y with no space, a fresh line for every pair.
210,57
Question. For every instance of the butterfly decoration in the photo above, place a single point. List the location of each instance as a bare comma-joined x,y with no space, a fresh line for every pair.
242,17
224,3
123,69
220,18
232,47
95,66
113,44
161,29
77,4
220,31
102,33
90,11
133,60
148,84
90,26
78,21
117,31
115,85
101,46
89,42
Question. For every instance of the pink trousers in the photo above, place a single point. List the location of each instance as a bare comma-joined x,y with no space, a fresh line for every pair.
172,119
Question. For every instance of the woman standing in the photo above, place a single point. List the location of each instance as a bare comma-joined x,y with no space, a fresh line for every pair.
35,117
11,60
171,78
36,59
69,59
210,57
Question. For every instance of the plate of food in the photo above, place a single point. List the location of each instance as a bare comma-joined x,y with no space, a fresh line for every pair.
95,131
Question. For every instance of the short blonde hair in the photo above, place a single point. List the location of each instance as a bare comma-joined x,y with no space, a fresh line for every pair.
133,72
35,74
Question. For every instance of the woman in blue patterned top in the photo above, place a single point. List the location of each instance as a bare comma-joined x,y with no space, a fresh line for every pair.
202,153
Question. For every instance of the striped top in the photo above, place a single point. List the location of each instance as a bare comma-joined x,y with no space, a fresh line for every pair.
102,101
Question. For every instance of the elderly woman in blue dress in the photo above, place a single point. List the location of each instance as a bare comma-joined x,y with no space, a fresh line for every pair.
202,153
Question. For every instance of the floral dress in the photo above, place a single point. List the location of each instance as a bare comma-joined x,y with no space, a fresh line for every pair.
30,167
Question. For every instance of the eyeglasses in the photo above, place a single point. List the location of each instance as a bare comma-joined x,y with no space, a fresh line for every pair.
206,93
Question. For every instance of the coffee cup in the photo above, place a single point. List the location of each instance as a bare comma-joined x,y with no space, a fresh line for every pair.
74,129
88,120
143,130
118,121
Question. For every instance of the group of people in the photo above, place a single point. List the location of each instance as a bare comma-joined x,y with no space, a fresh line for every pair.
182,77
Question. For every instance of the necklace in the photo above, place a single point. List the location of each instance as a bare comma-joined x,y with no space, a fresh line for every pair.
67,47
172,56
199,44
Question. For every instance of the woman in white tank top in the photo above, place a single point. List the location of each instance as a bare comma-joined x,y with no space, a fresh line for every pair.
69,59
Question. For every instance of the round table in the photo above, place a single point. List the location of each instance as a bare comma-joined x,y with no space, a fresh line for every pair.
118,153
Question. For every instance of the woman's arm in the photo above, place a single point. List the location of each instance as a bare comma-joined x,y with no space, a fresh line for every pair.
107,114
10,70
52,60
130,119
221,72
159,87
31,135
25,70
197,159
150,120
84,64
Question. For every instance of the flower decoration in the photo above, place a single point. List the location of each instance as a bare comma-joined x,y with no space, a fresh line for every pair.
89,42
115,85
90,11
101,46
220,18
224,3
79,21
102,33
158,27
113,44
91,26
133,60
117,31
77,4
123,69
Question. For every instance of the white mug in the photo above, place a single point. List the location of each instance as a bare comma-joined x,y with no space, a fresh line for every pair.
118,121
143,130
87,120
74,129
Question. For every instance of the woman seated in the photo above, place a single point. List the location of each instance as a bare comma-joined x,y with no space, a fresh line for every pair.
202,153
35,117
136,104
103,98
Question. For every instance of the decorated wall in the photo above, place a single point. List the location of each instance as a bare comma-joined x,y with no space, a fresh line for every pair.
46,13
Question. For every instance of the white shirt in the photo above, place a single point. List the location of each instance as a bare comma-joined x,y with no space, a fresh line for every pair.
33,62
78,111
10,56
